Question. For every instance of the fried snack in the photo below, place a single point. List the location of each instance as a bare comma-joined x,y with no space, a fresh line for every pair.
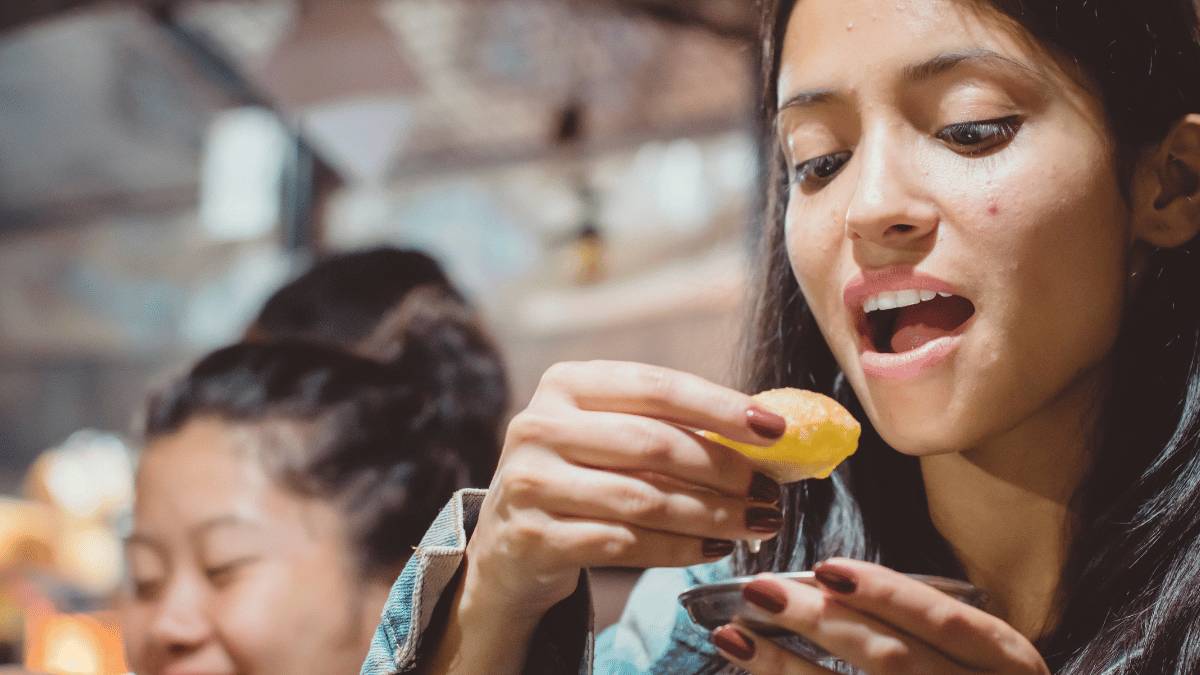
820,435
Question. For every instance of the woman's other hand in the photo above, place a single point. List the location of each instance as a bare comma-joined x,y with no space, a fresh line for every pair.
880,621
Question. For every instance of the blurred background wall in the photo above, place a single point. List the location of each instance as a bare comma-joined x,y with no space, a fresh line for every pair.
585,169
165,165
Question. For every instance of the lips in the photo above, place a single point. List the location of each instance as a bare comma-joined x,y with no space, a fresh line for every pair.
898,310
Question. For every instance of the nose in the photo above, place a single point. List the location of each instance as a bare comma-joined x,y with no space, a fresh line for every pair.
888,207
180,624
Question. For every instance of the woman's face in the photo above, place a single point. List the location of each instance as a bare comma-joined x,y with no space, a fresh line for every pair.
231,573
943,163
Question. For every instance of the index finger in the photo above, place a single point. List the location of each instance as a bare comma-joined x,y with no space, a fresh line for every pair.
669,395
962,632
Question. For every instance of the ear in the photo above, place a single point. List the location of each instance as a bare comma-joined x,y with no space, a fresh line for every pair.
1166,188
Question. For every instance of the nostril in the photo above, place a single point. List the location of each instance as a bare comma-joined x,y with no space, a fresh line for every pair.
902,228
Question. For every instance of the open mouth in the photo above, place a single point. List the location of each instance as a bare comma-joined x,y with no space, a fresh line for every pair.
894,322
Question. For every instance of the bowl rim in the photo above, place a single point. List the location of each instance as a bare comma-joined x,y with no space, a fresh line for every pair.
954,587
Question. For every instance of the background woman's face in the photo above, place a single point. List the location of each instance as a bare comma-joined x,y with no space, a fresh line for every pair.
230,573
936,148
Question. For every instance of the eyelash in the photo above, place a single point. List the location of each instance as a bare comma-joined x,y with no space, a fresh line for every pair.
982,137
987,133
219,574
145,589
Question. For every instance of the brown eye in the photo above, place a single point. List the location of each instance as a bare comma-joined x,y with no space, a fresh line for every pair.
974,138
821,169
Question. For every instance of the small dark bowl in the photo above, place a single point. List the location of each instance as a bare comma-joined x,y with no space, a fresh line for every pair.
714,605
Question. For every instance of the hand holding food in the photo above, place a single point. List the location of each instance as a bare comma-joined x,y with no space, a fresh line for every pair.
604,468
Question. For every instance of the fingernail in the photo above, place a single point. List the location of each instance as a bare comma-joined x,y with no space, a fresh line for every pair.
716,548
765,423
764,519
763,489
765,594
734,642
838,582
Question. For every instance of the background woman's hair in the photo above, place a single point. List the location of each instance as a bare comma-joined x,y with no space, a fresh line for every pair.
1129,595
386,432
340,299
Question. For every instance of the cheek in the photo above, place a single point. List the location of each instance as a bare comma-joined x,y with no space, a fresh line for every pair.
1060,241
305,594
135,624
256,615
814,236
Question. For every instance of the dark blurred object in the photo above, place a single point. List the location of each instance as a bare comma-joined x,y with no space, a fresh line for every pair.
342,299
588,253
570,124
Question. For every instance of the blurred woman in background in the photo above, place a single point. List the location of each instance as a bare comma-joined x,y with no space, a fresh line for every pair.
284,483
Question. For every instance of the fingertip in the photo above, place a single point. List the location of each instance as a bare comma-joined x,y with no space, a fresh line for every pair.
836,579
765,423
732,643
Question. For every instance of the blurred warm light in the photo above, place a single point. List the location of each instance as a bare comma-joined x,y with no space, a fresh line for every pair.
90,555
89,476
28,532
83,486
74,644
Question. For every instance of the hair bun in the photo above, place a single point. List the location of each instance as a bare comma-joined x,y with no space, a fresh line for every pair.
436,337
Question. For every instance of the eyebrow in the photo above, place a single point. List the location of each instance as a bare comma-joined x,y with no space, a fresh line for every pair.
195,532
231,520
138,538
920,72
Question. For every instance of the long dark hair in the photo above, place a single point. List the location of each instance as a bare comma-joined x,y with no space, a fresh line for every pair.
1130,597
385,431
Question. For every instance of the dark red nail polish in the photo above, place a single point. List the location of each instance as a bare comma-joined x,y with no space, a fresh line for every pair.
764,519
734,642
716,548
838,582
765,594
763,489
765,423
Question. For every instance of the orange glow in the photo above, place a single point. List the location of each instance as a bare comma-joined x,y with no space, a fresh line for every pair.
74,644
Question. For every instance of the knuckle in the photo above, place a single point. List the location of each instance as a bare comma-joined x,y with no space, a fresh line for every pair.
558,374
652,444
521,484
611,545
949,621
659,384
525,534
530,427
890,655
643,504
726,516
618,546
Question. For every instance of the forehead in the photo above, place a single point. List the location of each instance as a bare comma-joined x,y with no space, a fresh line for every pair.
850,44
207,469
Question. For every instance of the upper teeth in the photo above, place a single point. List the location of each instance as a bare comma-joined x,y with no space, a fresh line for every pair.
896,299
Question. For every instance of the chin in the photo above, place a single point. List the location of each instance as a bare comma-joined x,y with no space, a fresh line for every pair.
922,421
914,441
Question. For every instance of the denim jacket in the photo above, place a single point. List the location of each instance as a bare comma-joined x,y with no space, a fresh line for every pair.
654,634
